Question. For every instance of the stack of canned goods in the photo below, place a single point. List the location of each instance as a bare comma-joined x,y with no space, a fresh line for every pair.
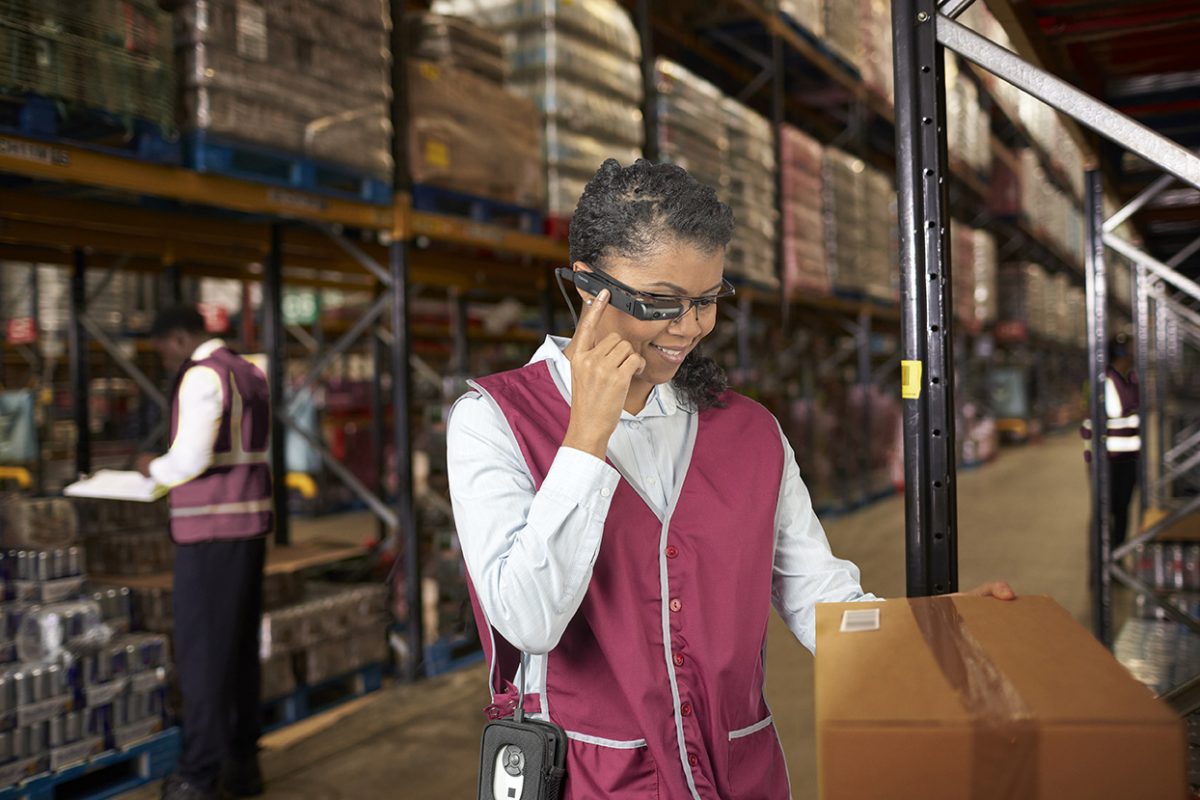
44,576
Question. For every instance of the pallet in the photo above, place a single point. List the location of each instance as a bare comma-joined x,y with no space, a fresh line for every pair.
262,164
43,118
483,210
451,653
106,775
307,701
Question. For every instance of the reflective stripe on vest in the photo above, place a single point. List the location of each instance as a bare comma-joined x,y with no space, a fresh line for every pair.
244,507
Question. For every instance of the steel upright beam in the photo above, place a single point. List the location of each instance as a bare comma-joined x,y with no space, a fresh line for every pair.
407,544
1141,354
1097,328
79,364
407,535
778,97
275,345
649,85
1161,388
926,335
379,423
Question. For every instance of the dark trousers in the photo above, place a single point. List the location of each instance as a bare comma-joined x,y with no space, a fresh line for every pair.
1124,475
218,613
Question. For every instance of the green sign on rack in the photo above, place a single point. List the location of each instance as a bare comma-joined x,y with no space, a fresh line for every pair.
300,307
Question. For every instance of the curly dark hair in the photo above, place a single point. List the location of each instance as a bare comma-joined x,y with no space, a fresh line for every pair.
633,212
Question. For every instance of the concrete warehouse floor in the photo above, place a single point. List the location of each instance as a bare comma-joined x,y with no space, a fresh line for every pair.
1022,518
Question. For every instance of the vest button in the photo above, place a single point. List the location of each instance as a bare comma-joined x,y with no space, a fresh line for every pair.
678,660
686,709
693,760
672,551
676,605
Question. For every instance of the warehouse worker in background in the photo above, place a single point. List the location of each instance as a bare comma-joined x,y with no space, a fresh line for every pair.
628,521
1124,442
219,477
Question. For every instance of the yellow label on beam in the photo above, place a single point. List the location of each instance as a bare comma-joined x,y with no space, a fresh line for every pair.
910,380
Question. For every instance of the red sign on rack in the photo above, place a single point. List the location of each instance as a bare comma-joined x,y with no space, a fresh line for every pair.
21,330
216,318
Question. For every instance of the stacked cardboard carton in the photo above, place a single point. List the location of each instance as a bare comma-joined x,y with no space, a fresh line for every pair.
804,266
750,190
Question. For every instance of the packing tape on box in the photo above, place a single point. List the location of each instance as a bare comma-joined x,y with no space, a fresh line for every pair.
1004,746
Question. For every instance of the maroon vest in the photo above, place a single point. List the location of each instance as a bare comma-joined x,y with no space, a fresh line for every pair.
658,678
232,498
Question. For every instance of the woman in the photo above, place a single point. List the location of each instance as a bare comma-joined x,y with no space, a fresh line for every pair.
640,585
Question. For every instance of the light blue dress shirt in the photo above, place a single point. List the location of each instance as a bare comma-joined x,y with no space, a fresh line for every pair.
530,553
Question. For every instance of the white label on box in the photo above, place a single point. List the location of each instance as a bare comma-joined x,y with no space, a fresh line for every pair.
135,732
149,680
251,31
860,621
76,753
12,773
43,711
102,693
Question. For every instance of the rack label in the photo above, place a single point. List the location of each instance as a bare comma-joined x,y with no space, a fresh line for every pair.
31,151
910,380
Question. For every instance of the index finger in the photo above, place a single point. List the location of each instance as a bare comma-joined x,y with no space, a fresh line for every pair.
585,333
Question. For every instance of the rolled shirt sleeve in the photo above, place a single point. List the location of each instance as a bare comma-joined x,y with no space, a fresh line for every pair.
806,572
200,409
530,551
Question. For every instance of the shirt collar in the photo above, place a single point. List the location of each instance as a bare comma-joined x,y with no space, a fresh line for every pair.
662,401
207,349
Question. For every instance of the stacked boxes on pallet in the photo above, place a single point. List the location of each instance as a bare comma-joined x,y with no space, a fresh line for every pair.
877,69
968,129
689,131
805,270
305,77
77,682
962,261
108,55
879,275
467,132
750,191
844,190
579,62
1023,300
984,250
336,630
844,31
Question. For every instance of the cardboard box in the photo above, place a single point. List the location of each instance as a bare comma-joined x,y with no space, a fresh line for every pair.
953,698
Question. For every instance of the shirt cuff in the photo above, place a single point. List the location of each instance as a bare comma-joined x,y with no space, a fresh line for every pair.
582,479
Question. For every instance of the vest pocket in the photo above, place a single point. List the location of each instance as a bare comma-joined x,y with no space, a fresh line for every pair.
756,767
599,768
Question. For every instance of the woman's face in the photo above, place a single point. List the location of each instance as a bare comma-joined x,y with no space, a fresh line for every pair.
674,270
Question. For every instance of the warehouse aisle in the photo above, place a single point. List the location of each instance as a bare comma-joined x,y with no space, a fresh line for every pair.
1022,518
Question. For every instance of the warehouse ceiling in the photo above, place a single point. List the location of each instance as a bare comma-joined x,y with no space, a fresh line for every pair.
1143,58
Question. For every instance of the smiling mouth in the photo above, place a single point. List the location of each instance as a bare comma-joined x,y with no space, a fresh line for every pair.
674,355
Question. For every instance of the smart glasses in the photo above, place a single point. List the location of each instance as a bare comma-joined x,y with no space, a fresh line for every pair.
645,306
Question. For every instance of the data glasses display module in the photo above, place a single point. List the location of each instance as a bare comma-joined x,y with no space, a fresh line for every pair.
640,305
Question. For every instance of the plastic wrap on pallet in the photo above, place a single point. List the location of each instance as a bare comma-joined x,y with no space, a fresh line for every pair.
298,75
473,136
330,611
690,133
278,676
46,631
578,62
132,552
110,55
984,250
456,43
843,30
749,188
804,267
